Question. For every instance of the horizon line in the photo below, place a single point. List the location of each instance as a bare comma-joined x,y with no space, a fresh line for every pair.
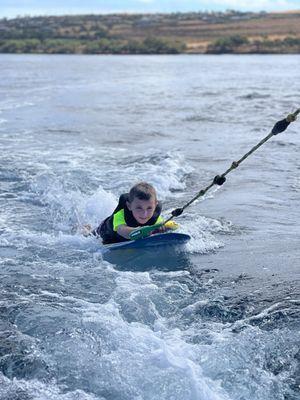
148,13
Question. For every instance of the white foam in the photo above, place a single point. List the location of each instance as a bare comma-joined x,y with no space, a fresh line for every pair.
162,353
151,363
202,230
99,206
22,239
241,361
71,207
39,391
169,175
164,171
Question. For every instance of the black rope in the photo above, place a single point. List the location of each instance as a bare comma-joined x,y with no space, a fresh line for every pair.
279,127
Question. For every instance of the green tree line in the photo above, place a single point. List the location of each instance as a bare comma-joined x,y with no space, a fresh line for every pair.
102,46
241,44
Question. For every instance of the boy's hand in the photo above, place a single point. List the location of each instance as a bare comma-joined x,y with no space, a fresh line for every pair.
171,226
162,229
86,230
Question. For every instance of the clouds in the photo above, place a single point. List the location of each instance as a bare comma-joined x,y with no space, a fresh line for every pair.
268,5
12,8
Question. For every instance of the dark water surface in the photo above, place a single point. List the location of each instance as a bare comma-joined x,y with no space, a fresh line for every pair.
216,319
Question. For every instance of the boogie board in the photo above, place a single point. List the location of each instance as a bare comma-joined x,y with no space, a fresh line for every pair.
158,239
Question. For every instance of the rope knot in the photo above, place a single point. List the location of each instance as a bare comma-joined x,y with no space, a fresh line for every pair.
292,117
219,180
177,212
281,126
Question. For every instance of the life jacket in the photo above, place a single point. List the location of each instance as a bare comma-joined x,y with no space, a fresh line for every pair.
123,216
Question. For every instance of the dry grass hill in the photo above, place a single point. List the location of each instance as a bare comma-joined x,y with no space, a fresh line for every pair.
229,32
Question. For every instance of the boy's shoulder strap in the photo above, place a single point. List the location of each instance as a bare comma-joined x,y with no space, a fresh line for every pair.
122,202
158,208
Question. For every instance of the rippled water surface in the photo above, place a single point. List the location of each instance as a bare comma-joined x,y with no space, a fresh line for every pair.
217,319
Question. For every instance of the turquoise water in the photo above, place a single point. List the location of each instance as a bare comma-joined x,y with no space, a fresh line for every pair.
215,319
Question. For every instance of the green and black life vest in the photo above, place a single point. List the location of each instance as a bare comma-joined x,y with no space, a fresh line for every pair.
123,216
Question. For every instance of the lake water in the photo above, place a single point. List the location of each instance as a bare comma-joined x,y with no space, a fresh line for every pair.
216,320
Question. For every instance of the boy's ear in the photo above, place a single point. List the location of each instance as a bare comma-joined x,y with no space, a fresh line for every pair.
128,205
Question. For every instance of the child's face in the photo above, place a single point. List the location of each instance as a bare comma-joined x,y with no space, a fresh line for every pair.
142,210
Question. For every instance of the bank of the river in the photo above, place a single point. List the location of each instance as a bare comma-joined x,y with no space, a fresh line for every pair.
196,33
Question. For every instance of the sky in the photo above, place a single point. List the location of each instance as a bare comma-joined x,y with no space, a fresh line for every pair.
13,8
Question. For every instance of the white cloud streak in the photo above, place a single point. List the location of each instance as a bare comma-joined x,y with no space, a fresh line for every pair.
250,5
11,8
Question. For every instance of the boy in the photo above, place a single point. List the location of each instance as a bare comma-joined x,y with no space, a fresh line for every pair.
137,208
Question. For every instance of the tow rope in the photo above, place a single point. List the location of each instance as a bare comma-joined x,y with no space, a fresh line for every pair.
279,127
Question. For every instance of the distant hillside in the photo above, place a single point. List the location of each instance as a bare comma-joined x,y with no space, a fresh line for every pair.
217,33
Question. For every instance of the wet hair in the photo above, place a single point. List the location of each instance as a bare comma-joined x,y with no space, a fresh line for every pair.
142,191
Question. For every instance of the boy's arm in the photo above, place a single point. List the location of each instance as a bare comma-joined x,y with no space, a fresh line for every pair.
141,232
125,231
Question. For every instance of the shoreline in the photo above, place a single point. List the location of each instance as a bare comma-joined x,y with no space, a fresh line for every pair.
231,32
152,54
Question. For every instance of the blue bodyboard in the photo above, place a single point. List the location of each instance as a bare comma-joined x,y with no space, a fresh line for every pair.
159,239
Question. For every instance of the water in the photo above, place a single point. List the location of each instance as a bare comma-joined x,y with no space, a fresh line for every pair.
219,319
